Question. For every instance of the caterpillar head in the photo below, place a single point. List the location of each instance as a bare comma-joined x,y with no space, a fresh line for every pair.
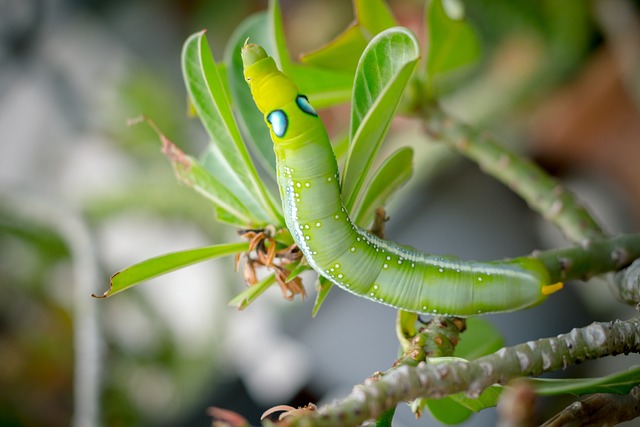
269,87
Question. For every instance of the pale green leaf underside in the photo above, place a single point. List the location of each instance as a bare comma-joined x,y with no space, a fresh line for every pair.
166,263
383,73
232,165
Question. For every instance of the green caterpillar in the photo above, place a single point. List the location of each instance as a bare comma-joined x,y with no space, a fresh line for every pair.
351,257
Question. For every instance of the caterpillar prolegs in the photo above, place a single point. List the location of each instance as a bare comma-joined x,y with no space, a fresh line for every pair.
351,257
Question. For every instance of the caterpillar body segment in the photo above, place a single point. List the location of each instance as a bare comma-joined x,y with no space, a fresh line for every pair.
351,257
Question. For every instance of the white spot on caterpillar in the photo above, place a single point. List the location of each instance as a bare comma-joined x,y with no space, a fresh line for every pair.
413,264
336,216
352,249
546,360
424,307
340,276
388,258
358,238
385,265
318,224
337,265
329,179
307,184
298,185
307,238
375,287
306,226
441,270
479,279
400,261
524,360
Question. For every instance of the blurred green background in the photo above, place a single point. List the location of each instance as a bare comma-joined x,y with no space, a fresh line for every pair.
83,195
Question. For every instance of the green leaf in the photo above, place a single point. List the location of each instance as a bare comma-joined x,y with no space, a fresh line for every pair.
340,145
229,208
191,173
447,411
453,43
249,295
374,15
391,175
342,53
251,120
297,270
457,407
163,264
323,87
386,419
487,399
618,383
324,286
233,166
480,338
383,72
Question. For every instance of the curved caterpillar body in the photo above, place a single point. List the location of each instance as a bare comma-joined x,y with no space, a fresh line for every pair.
351,257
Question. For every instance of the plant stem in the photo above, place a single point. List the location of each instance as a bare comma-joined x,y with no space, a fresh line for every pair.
543,193
372,398
600,409
592,258
626,284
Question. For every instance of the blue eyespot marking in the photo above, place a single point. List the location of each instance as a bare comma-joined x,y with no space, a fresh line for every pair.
279,122
303,104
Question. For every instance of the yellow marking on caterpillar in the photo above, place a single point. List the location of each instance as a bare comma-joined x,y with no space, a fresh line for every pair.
549,289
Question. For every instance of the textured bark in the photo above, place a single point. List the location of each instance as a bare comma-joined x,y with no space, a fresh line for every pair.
375,396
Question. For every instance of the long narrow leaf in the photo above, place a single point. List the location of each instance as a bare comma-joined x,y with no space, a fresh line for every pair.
392,174
191,173
154,267
383,72
249,295
324,286
210,99
255,28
